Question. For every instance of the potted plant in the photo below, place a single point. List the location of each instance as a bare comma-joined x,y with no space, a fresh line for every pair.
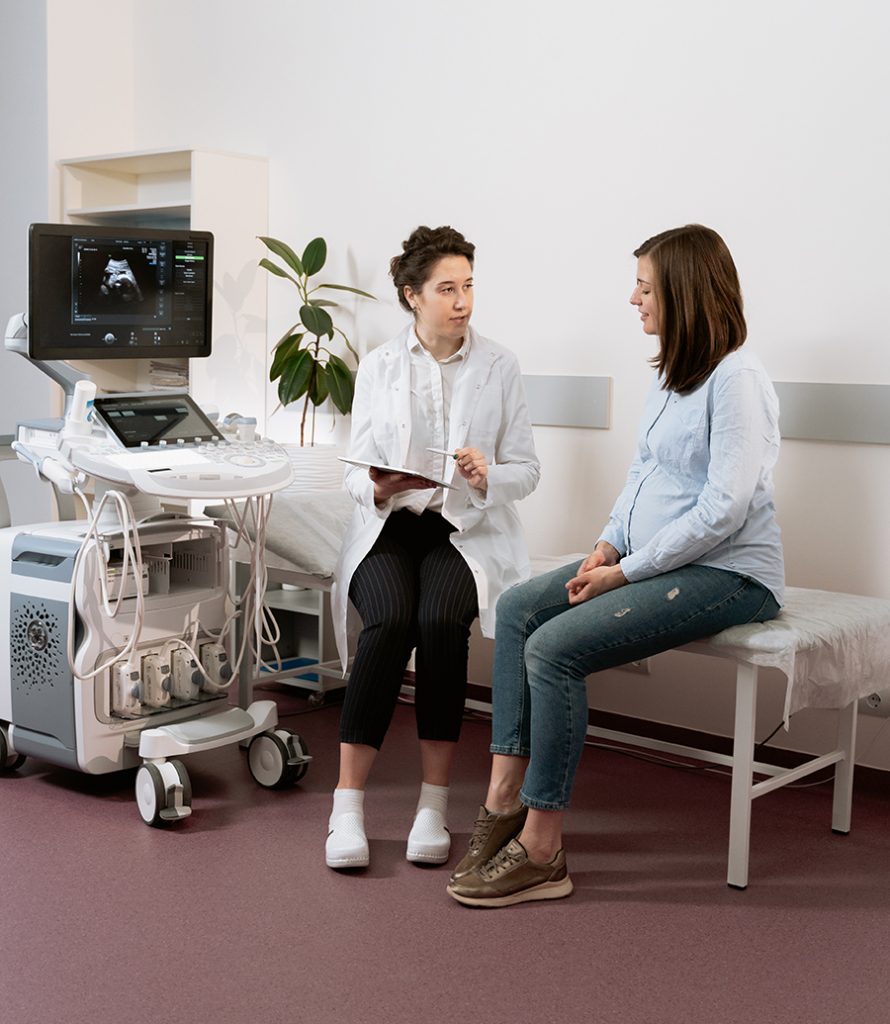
303,366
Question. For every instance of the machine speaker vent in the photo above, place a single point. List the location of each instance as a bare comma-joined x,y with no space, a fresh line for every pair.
37,644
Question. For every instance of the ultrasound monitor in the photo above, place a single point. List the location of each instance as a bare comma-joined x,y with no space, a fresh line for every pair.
118,293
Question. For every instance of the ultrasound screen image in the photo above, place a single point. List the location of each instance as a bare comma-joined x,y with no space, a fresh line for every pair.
118,281
111,292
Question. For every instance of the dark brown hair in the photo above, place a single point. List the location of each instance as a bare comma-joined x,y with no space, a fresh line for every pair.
699,303
421,251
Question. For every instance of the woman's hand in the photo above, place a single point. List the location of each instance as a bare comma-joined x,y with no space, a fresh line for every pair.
602,554
387,485
472,467
594,581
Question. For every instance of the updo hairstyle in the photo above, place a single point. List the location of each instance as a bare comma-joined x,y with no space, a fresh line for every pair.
421,251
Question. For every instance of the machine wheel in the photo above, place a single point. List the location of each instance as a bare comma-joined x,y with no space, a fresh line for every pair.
184,781
155,785
150,794
9,760
298,748
267,758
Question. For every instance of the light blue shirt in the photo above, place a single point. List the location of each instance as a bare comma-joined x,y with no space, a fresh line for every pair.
700,490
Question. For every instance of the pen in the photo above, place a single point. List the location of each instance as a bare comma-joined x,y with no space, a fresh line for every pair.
441,451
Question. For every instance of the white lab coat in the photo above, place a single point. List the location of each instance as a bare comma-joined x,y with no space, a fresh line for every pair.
488,412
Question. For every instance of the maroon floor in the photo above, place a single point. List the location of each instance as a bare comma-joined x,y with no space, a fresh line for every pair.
233,917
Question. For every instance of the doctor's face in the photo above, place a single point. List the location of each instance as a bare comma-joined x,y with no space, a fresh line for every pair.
643,296
445,303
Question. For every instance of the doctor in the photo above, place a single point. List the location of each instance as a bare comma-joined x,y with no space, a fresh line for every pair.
420,561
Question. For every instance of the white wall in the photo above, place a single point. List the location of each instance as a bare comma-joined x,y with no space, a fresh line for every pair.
24,391
558,137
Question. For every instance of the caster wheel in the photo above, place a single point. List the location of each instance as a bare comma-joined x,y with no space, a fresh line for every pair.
9,759
184,781
298,748
267,758
150,794
316,699
156,788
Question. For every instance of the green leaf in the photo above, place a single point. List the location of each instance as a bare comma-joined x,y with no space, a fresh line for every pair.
346,288
322,302
291,330
274,269
283,251
318,391
284,353
314,256
340,384
295,379
316,320
348,343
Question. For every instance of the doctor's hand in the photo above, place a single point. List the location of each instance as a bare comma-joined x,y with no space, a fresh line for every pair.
387,485
472,467
593,582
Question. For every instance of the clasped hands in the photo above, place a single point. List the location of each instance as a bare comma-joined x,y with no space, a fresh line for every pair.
598,574
470,462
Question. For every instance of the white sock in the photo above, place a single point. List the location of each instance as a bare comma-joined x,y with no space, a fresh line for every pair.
435,798
346,801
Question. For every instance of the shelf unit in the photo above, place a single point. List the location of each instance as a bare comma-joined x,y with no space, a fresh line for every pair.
307,638
225,193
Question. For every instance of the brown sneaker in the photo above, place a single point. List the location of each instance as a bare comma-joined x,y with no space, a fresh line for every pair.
512,877
490,833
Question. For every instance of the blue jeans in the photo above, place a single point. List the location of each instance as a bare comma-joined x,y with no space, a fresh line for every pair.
545,648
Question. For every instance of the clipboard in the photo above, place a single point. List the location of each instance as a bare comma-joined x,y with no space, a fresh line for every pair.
396,469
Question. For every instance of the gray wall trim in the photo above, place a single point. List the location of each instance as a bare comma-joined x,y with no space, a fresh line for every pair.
834,412
557,401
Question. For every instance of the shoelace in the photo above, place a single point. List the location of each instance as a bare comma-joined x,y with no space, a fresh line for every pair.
481,831
503,861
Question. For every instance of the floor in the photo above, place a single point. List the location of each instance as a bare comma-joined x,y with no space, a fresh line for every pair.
232,916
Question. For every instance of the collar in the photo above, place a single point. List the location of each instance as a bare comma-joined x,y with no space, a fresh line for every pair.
415,345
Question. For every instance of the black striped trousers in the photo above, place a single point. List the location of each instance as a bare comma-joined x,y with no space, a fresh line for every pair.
412,590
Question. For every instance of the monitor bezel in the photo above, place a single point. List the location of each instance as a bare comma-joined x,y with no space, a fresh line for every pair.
40,346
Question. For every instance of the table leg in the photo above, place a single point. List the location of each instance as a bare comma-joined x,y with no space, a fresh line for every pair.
843,774
742,775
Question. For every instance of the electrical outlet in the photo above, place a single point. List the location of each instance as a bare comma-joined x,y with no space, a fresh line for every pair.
877,704
641,667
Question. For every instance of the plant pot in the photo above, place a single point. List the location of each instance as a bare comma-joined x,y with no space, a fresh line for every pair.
316,467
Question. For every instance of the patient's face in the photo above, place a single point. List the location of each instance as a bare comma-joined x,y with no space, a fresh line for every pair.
445,303
643,296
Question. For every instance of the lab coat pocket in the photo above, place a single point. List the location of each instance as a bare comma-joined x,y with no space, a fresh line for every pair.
486,418
384,431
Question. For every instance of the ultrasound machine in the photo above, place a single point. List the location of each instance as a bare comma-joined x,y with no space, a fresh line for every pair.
124,635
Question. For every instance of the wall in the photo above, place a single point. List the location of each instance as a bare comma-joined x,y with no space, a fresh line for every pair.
559,137
24,391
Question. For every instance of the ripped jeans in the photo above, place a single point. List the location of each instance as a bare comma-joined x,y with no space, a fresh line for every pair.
546,648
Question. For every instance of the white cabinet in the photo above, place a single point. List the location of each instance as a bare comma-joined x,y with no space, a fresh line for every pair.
224,193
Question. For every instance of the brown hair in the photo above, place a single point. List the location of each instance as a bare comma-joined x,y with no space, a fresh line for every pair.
699,303
421,251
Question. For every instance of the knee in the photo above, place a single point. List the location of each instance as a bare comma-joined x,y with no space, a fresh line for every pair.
512,606
434,623
392,625
543,654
